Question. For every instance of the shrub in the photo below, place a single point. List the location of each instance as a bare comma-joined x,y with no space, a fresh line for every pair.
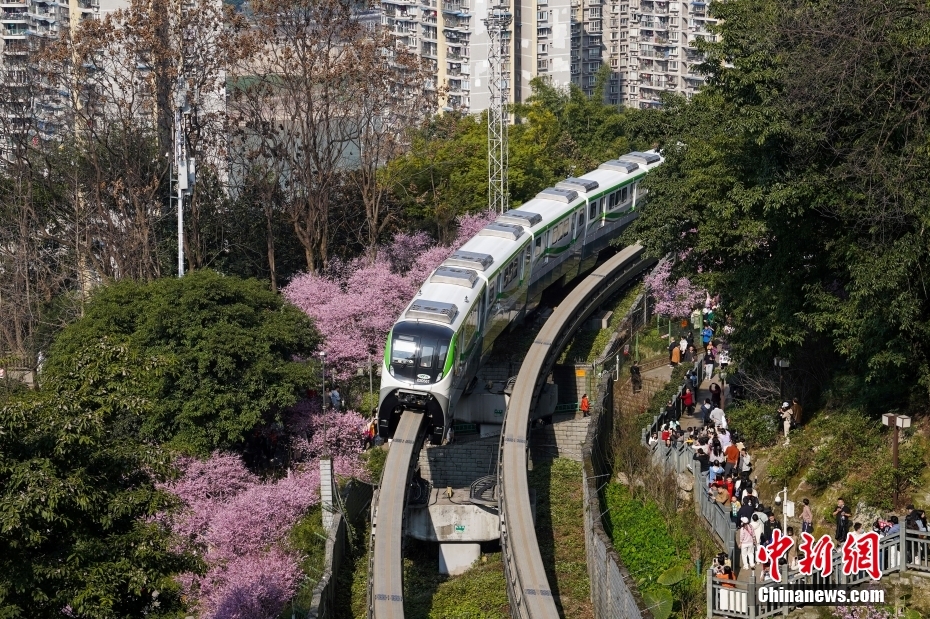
755,422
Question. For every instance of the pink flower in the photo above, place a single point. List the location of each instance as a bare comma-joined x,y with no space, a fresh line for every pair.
674,299
354,305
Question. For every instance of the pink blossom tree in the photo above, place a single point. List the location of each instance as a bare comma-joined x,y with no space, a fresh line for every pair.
674,298
240,524
355,304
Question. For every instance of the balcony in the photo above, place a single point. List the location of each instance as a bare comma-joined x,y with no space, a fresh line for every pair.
458,8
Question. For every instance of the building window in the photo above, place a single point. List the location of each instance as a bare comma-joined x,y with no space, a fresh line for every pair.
543,32
542,15
595,26
542,64
594,11
542,48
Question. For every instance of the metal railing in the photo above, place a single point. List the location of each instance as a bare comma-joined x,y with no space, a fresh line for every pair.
898,553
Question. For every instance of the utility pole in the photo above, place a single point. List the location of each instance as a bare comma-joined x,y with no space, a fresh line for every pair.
498,20
184,166
180,160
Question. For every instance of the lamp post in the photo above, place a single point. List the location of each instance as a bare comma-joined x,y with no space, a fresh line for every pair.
895,421
781,364
787,508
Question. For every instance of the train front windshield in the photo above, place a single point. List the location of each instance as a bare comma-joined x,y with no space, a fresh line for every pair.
418,352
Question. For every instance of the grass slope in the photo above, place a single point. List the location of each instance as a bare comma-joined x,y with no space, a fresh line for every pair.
560,530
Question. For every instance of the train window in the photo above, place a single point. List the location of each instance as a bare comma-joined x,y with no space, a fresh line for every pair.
470,327
624,194
538,247
441,358
613,200
580,222
510,273
426,357
403,351
414,349
593,212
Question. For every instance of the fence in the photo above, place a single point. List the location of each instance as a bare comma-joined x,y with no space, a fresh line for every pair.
741,598
613,592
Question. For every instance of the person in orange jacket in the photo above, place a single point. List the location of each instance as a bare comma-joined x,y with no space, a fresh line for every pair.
585,406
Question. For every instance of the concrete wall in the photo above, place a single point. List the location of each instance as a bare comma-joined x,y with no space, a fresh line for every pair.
574,381
355,502
459,464
613,592
562,439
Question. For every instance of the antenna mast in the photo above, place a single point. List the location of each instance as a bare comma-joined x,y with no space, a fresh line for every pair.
498,20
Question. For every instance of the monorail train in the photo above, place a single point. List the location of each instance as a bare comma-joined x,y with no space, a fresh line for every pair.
435,348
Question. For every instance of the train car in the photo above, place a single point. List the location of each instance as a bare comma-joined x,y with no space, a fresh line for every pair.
435,348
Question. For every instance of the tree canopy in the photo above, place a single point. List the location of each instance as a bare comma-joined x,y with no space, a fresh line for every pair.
78,494
796,183
229,351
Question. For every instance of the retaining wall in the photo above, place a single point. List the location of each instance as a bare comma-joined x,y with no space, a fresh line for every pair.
355,505
613,591
562,439
459,464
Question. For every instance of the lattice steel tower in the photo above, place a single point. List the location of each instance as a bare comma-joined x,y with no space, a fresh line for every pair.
498,20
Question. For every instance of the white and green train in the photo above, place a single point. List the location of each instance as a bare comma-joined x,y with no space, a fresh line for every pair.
435,348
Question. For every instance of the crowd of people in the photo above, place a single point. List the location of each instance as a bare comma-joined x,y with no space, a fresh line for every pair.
719,452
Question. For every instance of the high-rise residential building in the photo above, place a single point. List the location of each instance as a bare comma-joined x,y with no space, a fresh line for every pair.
28,102
648,45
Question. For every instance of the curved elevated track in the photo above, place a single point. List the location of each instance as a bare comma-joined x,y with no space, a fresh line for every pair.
527,585
385,582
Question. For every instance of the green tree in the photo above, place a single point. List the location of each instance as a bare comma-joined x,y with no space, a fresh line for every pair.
796,183
230,349
78,496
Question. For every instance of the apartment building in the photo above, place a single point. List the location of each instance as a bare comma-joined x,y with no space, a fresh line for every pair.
28,101
649,46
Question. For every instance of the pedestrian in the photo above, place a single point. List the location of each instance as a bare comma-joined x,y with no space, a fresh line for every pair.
636,378
672,347
687,400
793,550
797,412
676,355
683,344
716,394
723,359
807,518
747,544
335,399
671,411
732,455
842,515
706,408
786,415
585,405
757,525
718,418
709,360
745,462
707,334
